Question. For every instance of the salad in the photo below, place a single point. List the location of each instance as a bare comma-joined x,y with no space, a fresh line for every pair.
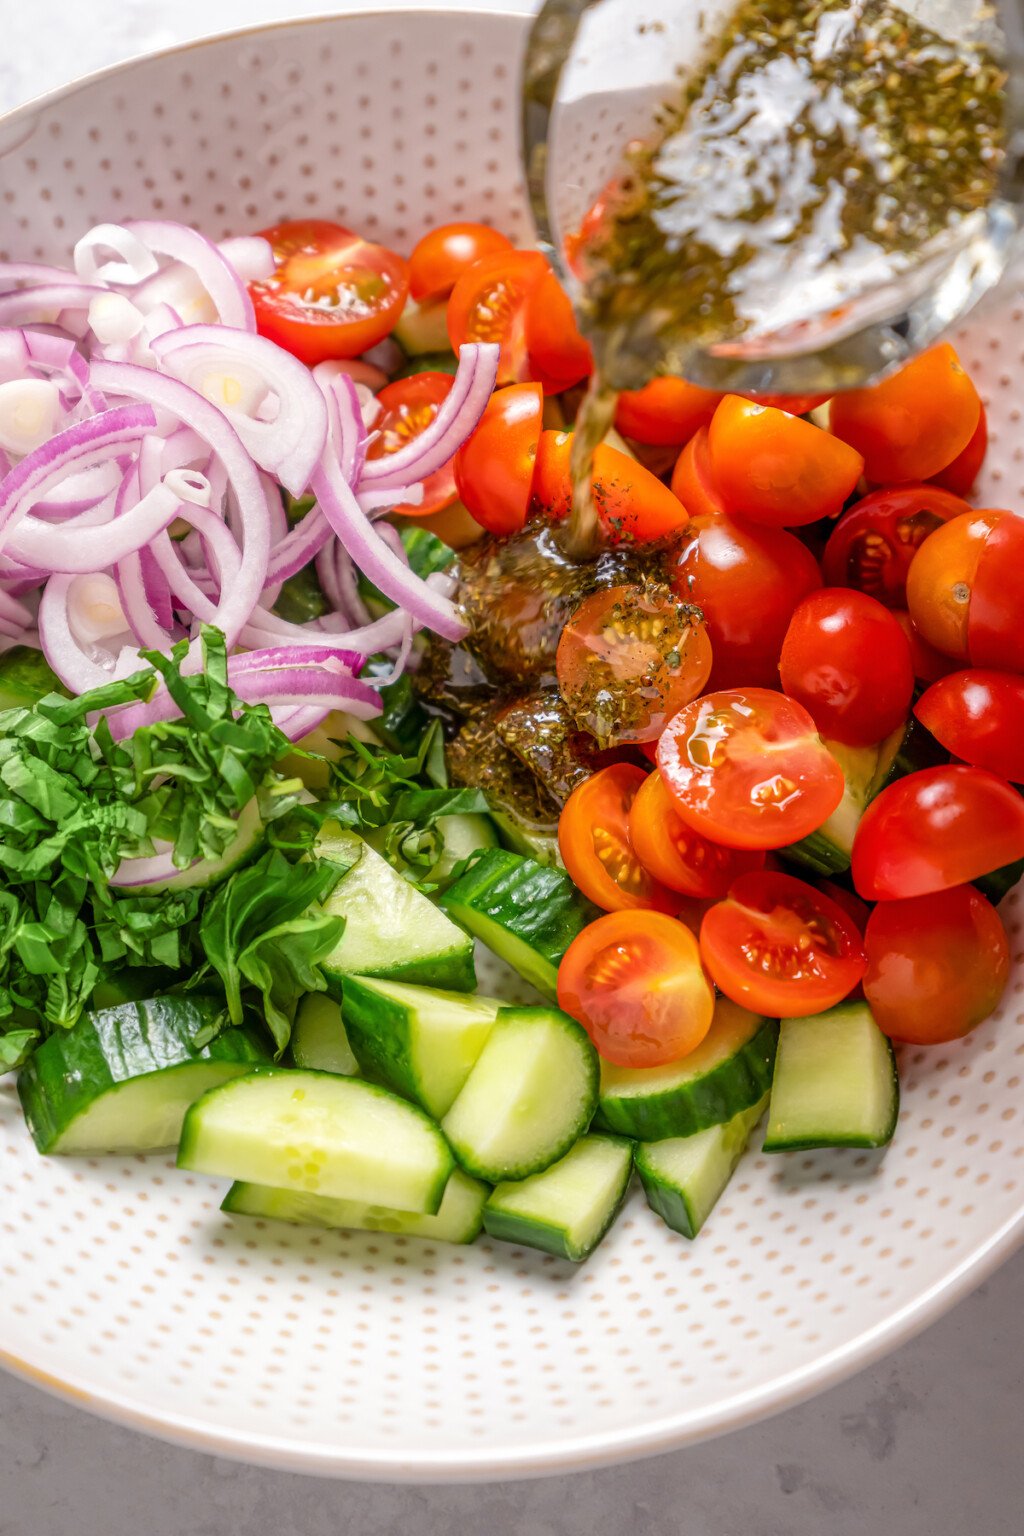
304,696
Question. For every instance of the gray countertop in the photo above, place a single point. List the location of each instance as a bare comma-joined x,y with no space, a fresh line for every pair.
926,1443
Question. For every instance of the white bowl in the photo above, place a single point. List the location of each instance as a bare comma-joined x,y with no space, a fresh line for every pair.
121,1285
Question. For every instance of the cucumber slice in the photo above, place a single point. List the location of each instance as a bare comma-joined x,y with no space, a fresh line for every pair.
423,328
421,1043
320,1134
531,1094
458,1218
567,1209
835,1083
526,913
244,846
866,770
464,834
121,1079
319,1041
26,677
391,928
684,1176
730,1070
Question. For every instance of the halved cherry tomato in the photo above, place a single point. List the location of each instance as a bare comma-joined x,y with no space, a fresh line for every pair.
407,409
937,965
965,589
692,480
634,980
936,828
913,424
677,855
665,411
495,465
747,581
748,769
593,839
873,544
847,661
928,663
439,259
778,946
795,405
995,634
632,504
488,303
978,716
778,469
552,481
959,477
332,295
558,355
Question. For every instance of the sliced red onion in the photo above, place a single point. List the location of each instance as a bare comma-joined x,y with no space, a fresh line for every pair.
15,613
356,368
376,503
73,549
27,306
29,412
251,256
114,320
79,492
298,547
76,669
15,274
267,629
213,269
312,653
136,263
459,413
295,723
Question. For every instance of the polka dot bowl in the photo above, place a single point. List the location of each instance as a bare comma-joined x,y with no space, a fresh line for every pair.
121,1284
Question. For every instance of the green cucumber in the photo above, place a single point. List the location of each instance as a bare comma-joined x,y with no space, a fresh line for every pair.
866,771
319,1041
835,1083
318,1134
419,1042
458,1219
26,677
526,913
423,328
684,1176
530,1095
464,834
121,1079
729,1071
567,1209
523,837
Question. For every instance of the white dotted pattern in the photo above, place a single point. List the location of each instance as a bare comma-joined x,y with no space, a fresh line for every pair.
367,1355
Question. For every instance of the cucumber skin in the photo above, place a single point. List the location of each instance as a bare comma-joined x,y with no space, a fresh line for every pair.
512,1227
815,1144
732,1086
454,972
674,1208
320,1211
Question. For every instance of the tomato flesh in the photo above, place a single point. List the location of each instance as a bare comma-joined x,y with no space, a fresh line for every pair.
631,503
665,412
847,660
488,303
439,259
995,635
408,407
873,544
593,839
677,855
494,468
558,356
978,716
913,424
778,469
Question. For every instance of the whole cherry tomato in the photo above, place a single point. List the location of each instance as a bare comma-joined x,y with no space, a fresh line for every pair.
913,424
847,661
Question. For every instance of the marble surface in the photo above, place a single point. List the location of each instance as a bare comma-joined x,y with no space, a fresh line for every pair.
925,1443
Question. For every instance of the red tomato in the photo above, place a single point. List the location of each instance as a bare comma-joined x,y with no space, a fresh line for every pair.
913,424
558,355
632,504
778,946
747,581
928,663
494,467
936,965
873,544
635,982
665,411
440,258
677,855
978,716
593,839
748,769
995,635
959,477
407,409
552,482
332,295
936,828
488,303
965,589
795,405
847,661
856,910
778,469
692,480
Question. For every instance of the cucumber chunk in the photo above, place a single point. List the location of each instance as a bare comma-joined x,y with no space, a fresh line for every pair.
730,1070
319,1041
526,913
531,1094
459,1217
321,1134
423,328
835,1083
419,1042
567,1209
866,770
121,1079
684,1176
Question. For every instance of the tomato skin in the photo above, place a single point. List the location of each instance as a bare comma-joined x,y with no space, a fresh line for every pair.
631,503
928,663
665,412
937,965
677,855
558,355
847,661
934,829
913,424
408,406
978,716
959,477
488,303
778,946
495,465
965,587
634,980
873,544
552,483
593,839
747,769
778,469
441,256
692,480
995,636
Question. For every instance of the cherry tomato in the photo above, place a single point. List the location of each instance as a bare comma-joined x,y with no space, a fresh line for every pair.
928,663
440,258
959,477
913,424
488,303
747,581
407,409
748,769
978,716
632,504
558,355
856,910
677,855
873,544
995,635
936,965
634,980
965,589
778,946
795,405
665,411
936,828
332,294
495,465
847,661
593,839
778,469
692,481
